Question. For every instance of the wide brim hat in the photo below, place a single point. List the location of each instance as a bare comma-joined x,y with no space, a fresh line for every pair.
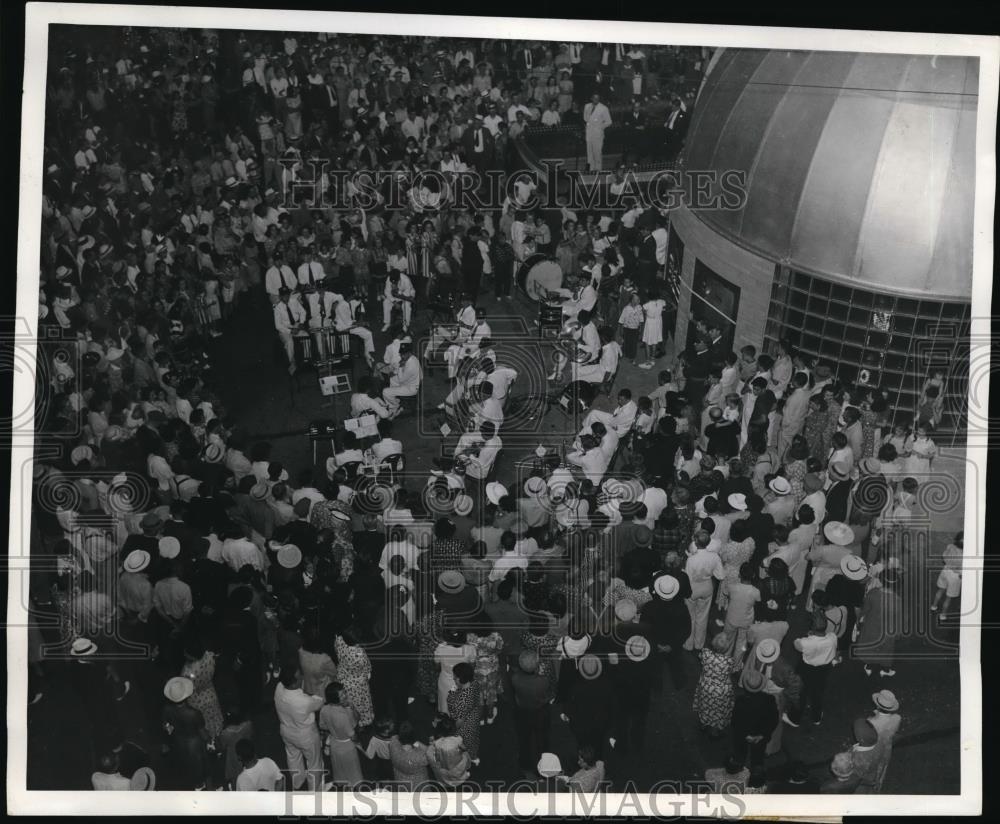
143,780
637,648
259,492
168,547
82,647
885,700
495,491
178,689
870,466
625,609
839,533
534,486
214,453
666,587
753,681
575,647
737,501
289,556
590,667
549,765
854,568
767,650
451,581
839,471
642,536
136,561
463,505
779,485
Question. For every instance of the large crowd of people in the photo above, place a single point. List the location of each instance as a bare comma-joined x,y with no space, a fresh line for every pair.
738,526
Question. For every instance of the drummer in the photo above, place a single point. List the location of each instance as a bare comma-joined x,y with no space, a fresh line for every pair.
310,270
390,358
587,341
583,300
465,320
289,319
348,317
318,302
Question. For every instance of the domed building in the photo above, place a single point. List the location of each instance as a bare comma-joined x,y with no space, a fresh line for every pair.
854,239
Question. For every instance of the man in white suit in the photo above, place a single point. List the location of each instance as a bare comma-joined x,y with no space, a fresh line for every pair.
598,118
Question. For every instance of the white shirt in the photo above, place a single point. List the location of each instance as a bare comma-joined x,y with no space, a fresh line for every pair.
296,711
362,403
408,375
817,650
593,462
479,467
311,272
238,552
500,379
656,501
288,315
660,236
275,278
597,117
407,549
261,776
387,446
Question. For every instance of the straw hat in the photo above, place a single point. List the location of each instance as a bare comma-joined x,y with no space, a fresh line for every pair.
82,647
136,561
738,501
169,547
463,505
534,486
214,453
143,780
178,689
590,667
637,648
885,701
289,556
779,485
839,533
870,466
753,681
839,471
495,491
666,587
625,609
549,765
451,581
575,647
767,650
854,568
259,491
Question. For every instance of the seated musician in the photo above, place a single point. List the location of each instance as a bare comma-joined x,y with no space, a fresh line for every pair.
318,302
348,453
604,368
366,400
589,459
399,293
606,438
349,317
587,342
585,299
620,420
465,319
390,358
405,381
467,344
386,446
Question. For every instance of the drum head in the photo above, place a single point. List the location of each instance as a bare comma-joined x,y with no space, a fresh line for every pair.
542,276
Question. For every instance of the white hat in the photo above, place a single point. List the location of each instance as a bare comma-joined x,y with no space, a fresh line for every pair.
666,587
738,501
575,647
534,486
213,453
779,485
81,453
61,272
625,609
82,647
136,561
854,568
178,688
549,765
767,650
169,547
289,556
839,533
495,491
463,505
637,648
885,700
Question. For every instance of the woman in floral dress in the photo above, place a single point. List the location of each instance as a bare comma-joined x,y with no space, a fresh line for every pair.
796,468
714,696
538,639
834,407
465,706
815,426
429,631
871,413
488,643
199,666
354,670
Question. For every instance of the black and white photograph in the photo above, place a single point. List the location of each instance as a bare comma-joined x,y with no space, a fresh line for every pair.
528,413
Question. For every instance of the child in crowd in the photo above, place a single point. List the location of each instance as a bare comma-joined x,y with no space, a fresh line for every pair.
652,333
630,320
949,582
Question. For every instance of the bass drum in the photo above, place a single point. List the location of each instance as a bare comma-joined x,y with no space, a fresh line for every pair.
538,273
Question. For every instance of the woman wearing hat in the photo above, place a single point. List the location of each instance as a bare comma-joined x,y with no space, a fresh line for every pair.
187,736
880,622
714,696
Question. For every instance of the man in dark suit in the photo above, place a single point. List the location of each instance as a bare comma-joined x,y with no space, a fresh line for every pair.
326,104
637,136
676,126
524,61
479,146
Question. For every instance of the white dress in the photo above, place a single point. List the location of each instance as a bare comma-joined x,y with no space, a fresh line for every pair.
652,332
918,464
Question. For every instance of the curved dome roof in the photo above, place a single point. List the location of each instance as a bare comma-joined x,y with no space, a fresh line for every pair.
860,167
